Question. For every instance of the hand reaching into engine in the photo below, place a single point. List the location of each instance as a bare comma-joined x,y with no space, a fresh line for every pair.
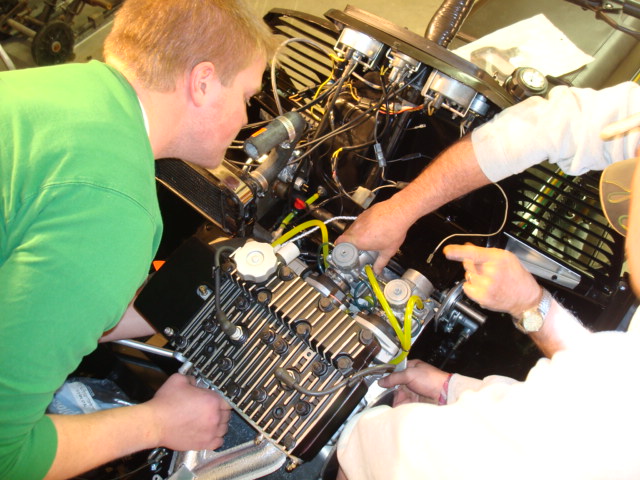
496,279
419,382
382,228
188,417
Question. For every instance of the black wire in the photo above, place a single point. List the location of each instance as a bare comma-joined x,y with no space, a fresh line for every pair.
351,124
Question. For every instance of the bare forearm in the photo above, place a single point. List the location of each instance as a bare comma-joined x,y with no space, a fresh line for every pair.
87,441
454,173
132,325
559,331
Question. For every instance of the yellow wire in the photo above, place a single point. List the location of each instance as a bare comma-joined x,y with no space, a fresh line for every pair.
323,84
303,226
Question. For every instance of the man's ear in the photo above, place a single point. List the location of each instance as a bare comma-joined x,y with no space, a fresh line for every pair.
203,83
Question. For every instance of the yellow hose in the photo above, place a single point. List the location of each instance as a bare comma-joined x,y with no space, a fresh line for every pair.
303,226
383,302
403,335
408,315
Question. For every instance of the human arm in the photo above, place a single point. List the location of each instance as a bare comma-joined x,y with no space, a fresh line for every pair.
67,278
496,280
563,129
132,325
179,417
503,430
383,226
419,382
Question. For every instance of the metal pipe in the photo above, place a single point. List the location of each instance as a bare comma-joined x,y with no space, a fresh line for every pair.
21,28
243,462
145,347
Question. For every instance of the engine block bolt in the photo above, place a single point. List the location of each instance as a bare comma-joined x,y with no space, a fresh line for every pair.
344,363
267,336
226,364
228,267
180,342
209,349
208,326
263,296
169,332
303,330
286,274
204,292
303,408
325,304
366,336
259,395
278,413
280,346
318,368
234,390
242,304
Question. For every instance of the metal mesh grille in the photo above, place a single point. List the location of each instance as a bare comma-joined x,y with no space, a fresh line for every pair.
561,216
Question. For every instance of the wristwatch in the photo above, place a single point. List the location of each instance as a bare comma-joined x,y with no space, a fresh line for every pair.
532,320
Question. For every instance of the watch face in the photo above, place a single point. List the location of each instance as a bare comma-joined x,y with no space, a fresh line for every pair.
533,79
532,321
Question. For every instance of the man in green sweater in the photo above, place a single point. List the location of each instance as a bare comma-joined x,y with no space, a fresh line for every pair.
80,223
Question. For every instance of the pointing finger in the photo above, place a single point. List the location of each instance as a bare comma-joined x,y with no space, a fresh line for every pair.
471,253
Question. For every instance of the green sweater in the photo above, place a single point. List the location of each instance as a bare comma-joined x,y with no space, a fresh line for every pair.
79,226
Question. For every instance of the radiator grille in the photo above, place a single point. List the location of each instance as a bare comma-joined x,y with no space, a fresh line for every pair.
304,65
561,216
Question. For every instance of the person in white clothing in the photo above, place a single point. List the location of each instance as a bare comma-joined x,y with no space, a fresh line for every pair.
575,414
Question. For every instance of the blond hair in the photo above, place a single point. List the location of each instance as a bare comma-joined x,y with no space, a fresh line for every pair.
159,41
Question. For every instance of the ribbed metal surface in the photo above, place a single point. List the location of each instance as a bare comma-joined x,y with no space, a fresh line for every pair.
561,216
299,424
193,187
304,65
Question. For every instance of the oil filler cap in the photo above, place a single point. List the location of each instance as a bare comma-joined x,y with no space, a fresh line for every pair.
255,262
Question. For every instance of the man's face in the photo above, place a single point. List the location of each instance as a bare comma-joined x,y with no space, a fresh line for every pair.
220,121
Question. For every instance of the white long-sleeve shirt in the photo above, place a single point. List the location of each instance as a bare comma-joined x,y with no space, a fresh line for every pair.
576,415
564,129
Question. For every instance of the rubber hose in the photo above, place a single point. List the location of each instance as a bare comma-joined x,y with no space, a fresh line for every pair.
447,21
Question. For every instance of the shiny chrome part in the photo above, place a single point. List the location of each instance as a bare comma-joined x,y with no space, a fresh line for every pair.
442,91
246,461
541,265
363,45
145,347
401,66
422,287
233,183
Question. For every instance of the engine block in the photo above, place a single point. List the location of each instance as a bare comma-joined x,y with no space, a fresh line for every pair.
287,324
